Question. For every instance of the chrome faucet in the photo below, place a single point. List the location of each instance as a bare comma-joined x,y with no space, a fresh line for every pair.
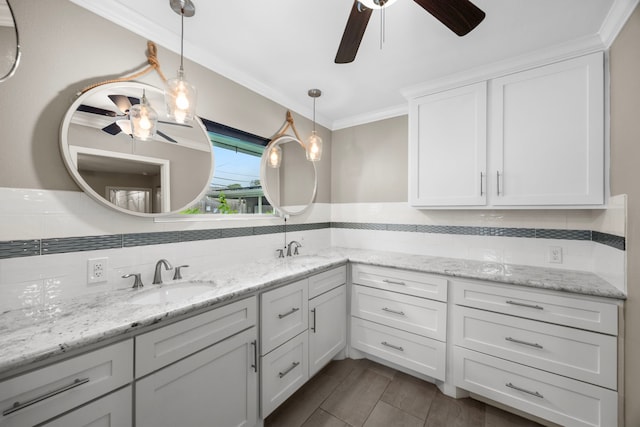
295,246
157,277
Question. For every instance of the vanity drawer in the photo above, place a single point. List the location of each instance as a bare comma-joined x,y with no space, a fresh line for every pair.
583,355
555,398
403,281
423,355
284,314
574,311
67,384
412,314
284,370
323,282
173,342
112,410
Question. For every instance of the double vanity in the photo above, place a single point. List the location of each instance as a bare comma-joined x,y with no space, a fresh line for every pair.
542,341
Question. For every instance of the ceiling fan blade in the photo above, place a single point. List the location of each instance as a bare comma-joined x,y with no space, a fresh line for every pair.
122,102
112,129
353,33
460,16
96,110
165,136
184,125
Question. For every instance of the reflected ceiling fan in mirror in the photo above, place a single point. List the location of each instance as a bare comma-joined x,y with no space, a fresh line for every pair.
122,123
460,16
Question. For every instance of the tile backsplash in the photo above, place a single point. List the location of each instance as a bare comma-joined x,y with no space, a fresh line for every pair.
69,228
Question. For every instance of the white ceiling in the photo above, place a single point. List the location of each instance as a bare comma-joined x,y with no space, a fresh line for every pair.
282,48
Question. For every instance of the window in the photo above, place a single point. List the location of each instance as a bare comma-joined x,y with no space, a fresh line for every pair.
235,187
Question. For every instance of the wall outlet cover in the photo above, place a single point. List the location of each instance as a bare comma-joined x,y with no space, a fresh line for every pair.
97,270
555,254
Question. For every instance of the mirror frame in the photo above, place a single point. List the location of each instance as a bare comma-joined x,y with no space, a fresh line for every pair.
263,176
68,154
16,61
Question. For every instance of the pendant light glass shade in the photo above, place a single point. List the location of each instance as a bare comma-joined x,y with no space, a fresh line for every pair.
314,147
144,120
180,96
275,157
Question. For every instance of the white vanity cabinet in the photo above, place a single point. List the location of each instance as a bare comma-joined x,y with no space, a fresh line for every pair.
546,353
204,370
291,349
533,138
45,393
401,317
112,410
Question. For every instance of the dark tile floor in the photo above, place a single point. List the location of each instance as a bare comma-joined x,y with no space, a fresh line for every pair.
362,393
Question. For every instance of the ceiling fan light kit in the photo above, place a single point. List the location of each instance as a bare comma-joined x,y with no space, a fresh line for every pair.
180,95
460,16
314,143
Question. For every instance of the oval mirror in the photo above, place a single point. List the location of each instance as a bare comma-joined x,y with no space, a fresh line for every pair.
290,187
159,176
9,41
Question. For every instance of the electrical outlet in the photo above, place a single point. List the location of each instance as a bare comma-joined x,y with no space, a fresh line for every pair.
97,270
555,254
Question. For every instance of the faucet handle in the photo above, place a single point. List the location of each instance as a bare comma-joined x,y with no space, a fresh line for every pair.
177,275
295,249
280,253
137,282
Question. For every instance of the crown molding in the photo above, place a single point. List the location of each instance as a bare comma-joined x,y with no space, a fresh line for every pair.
615,20
372,116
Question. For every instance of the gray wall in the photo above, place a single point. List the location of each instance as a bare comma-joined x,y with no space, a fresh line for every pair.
65,48
369,162
625,178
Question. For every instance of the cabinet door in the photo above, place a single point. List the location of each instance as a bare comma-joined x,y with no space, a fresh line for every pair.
447,148
547,135
327,327
113,410
215,387
284,314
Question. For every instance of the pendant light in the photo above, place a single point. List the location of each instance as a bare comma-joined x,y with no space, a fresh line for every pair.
144,119
275,157
314,143
180,95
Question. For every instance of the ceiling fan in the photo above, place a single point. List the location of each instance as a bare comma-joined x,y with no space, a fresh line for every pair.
460,16
124,103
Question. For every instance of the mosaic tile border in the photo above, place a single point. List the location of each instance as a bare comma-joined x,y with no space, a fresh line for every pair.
34,247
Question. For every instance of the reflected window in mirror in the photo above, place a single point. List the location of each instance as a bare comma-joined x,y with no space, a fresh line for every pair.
235,187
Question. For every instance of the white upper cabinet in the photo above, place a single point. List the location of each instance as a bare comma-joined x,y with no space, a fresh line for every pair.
447,156
529,139
547,134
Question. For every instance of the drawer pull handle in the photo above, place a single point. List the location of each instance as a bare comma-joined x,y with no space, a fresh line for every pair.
395,347
400,313
18,406
282,316
531,344
394,282
532,393
289,369
520,304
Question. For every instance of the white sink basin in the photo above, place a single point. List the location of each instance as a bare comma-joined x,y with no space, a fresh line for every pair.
170,293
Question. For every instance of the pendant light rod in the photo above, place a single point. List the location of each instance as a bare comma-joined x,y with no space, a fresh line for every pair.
184,8
314,93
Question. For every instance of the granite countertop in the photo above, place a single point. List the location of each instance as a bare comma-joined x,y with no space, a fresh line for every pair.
72,324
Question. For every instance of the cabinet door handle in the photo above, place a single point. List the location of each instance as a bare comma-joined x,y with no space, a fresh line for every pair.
521,304
498,183
388,310
393,282
533,393
395,347
254,343
313,328
481,186
293,310
531,344
18,405
289,369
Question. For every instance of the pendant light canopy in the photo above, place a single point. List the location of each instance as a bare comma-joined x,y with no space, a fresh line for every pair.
314,143
180,95
144,119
